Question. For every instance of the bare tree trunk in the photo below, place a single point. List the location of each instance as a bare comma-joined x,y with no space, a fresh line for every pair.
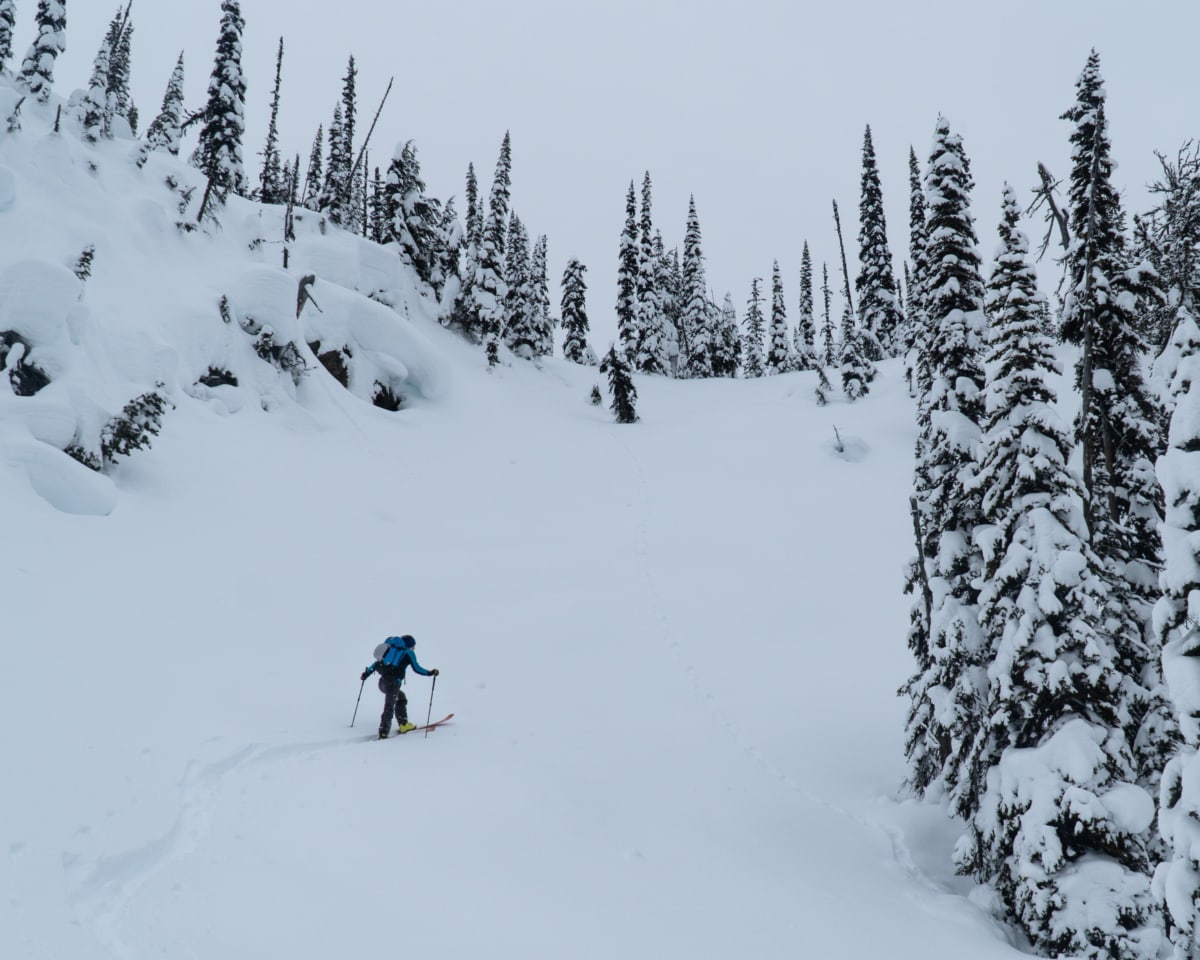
845,271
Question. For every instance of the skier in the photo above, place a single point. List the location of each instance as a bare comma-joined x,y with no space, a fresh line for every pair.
392,658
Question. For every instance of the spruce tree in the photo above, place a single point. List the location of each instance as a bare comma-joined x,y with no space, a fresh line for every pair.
166,130
37,70
628,331
335,188
271,182
650,354
1047,746
93,111
520,321
313,177
8,21
878,312
620,385
779,358
698,343
464,313
219,154
489,291
803,338
120,42
1119,426
474,208
344,203
827,341
857,369
915,326
539,288
944,694
1176,615
669,279
726,348
574,315
413,220
752,342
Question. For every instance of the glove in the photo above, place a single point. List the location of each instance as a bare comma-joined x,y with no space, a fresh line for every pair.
364,676
434,671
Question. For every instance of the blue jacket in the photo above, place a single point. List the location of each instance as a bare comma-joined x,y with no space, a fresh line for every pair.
397,660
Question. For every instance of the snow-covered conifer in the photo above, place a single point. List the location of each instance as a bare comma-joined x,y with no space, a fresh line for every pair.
539,289
915,324
37,70
8,20
1045,777
697,341
650,355
944,635
166,130
93,110
628,333
574,315
521,333
828,357
856,367
335,188
489,290
803,337
219,154
726,334
779,358
878,312
620,385
314,175
413,220
120,42
752,342
271,181
669,278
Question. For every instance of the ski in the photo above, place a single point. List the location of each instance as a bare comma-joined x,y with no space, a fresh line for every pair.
430,726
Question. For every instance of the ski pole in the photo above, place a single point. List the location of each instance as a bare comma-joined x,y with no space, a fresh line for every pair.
360,690
429,712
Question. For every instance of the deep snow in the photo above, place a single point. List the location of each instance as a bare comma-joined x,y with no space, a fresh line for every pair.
672,649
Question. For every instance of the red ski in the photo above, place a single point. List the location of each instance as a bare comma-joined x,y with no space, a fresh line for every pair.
436,723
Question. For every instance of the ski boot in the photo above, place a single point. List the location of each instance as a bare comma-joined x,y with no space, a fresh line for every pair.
405,727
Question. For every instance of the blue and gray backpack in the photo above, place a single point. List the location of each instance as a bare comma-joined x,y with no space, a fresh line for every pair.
392,651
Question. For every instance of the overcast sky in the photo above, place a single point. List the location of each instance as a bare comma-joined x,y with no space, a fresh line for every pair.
755,107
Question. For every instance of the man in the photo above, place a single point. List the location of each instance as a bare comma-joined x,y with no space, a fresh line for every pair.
392,658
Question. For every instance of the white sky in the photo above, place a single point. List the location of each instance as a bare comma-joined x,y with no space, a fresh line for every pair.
757,107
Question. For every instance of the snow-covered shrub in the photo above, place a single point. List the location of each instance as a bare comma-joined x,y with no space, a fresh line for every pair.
133,427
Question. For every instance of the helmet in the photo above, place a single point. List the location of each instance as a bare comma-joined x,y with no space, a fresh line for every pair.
409,641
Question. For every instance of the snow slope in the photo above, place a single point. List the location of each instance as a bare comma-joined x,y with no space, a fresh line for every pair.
671,649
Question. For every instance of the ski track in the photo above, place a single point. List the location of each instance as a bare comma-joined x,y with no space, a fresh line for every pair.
897,840
99,892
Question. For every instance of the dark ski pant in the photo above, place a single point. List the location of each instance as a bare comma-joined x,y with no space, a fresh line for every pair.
394,702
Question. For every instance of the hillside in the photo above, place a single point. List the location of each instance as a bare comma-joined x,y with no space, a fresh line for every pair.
671,649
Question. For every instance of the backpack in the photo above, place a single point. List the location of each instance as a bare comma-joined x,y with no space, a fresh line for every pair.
391,652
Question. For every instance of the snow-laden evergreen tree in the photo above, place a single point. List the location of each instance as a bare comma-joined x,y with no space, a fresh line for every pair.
37,70
828,358
474,208
945,691
1176,620
620,385
539,288
804,336
488,292
878,312
697,340
628,332
343,203
915,323
120,43
726,348
669,279
1169,238
166,130
752,342
1119,426
521,334
650,355
272,185
219,154
779,359
414,219
93,110
856,367
314,175
1045,777
8,21
463,314
574,315
335,187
